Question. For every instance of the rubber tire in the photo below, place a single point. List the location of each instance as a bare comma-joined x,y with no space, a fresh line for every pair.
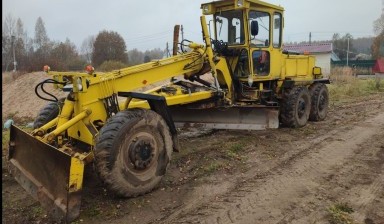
317,91
112,146
48,113
289,110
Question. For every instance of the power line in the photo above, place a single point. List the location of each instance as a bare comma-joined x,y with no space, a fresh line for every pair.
150,35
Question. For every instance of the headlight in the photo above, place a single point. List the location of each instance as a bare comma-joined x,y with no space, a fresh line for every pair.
240,3
79,85
206,8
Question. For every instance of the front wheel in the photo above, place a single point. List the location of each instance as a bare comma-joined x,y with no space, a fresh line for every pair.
133,151
48,113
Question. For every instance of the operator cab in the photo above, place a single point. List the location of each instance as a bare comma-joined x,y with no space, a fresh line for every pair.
251,30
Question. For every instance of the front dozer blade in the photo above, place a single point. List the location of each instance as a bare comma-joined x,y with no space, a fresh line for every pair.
52,177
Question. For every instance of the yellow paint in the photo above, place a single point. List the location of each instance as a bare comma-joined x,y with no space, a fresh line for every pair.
90,91
59,129
176,100
76,175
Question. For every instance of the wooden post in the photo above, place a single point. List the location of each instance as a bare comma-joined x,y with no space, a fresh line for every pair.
176,32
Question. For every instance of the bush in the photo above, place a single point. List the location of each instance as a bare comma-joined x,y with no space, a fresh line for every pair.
111,65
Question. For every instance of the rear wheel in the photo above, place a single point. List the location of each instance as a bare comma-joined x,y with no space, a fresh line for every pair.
319,102
133,151
295,107
48,113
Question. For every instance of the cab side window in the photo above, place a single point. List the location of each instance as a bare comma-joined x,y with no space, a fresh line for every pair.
277,27
262,39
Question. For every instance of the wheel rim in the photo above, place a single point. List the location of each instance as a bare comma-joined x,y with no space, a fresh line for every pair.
142,153
322,101
301,110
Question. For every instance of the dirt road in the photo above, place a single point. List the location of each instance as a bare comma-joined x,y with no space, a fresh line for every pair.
305,175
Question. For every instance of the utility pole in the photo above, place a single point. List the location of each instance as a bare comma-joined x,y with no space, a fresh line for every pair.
14,55
182,32
348,52
310,37
167,51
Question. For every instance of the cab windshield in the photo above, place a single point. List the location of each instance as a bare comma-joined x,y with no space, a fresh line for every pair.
229,27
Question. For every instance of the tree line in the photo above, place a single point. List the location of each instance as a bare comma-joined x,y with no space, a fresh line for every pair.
105,51
372,46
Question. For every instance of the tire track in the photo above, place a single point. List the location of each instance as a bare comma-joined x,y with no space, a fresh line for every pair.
267,199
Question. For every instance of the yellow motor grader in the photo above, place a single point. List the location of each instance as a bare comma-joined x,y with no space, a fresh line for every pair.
129,135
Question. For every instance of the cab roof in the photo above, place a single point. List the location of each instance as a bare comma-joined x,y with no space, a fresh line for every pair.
254,3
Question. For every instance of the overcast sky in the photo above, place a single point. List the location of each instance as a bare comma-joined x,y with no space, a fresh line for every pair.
149,24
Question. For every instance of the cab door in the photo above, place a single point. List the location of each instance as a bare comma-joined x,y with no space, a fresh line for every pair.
265,43
260,41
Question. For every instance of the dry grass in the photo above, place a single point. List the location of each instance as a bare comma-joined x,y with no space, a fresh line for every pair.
340,214
344,85
8,77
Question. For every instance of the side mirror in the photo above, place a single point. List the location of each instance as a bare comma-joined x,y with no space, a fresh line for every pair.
254,28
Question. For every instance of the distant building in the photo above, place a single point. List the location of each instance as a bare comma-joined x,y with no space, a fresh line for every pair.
378,68
321,51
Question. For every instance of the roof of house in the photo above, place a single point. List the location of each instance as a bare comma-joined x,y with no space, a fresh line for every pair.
379,66
309,48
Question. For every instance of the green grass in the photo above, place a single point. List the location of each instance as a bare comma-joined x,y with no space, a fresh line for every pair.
344,86
340,214
5,139
349,88
234,149
36,212
212,167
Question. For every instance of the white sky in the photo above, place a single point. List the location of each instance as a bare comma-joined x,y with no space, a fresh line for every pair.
149,24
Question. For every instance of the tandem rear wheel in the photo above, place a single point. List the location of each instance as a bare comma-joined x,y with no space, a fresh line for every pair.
300,105
319,102
295,107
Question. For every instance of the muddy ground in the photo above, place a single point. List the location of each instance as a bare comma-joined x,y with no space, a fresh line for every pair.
326,172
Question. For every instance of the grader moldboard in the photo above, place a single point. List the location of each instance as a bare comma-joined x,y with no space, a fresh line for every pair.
130,136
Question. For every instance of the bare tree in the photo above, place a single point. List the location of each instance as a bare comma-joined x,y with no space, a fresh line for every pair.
135,57
378,25
9,25
340,45
377,47
8,30
19,29
41,37
156,53
87,48
64,56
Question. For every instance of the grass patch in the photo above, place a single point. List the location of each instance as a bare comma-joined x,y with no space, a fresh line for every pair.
5,139
212,167
92,211
234,149
344,88
339,214
35,212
